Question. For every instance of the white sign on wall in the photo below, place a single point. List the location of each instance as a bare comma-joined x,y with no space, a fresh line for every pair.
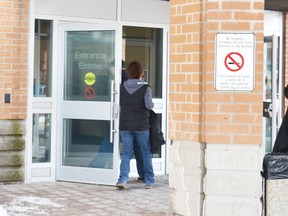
235,62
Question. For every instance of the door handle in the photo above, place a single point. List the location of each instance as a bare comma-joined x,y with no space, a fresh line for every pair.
269,110
112,111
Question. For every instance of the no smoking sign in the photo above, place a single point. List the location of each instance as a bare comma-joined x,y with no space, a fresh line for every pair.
234,62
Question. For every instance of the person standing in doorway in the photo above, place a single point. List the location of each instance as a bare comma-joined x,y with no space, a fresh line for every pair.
137,153
135,104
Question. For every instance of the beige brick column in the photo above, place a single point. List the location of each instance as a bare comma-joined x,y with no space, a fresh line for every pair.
217,128
13,81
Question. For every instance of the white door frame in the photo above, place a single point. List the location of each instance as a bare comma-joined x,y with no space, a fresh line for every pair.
48,171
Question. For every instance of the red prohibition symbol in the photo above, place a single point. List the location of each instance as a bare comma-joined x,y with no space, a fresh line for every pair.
234,61
89,92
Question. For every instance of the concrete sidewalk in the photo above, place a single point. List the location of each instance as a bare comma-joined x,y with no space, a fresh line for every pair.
69,199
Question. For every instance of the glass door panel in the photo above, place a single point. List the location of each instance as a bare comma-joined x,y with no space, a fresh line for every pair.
89,64
146,46
271,91
89,143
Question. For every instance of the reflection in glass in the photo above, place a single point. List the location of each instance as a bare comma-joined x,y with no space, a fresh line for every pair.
87,144
268,134
267,93
41,138
89,66
268,70
146,46
42,58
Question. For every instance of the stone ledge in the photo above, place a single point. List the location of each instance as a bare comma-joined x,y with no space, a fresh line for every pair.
233,157
232,183
231,206
12,143
11,158
8,175
181,153
12,127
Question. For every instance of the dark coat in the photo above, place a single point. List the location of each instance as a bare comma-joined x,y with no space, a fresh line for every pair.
156,135
281,142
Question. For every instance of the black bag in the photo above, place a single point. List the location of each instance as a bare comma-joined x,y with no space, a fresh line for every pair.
275,166
156,135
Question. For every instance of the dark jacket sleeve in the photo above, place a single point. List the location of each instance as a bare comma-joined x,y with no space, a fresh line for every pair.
281,142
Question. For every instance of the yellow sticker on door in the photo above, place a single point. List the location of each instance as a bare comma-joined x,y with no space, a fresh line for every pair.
89,78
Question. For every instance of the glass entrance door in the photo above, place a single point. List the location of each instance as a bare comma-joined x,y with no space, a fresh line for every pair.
271,91
88,105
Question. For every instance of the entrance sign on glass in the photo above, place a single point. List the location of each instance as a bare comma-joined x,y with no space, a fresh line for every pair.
89,56
234,62
90,78
89,61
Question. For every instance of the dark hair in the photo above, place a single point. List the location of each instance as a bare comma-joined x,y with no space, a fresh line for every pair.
134,70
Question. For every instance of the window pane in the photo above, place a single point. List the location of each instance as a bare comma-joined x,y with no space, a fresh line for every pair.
268,70
146,46
41,138
87,144
89,66
43,58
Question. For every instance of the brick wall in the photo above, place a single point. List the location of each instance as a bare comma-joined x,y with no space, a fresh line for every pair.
232,118
13,81
197,111
185,74
13,58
